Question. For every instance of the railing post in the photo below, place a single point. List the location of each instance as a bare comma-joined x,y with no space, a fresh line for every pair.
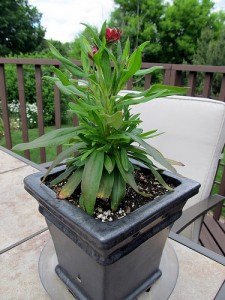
39,100
130,84
147,84
20,77
222,89
167,76
5,111
57,111
207,85
191,83
176,77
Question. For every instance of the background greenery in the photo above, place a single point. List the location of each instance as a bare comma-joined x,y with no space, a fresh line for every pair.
176,30
30,89
20,27
181,31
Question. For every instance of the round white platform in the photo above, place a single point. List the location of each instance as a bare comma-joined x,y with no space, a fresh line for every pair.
57,290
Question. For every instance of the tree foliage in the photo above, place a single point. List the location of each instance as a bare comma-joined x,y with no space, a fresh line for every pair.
20,28
140,21
210,51
173,29
182,25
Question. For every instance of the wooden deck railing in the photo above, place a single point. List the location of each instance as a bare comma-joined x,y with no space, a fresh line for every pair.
188,75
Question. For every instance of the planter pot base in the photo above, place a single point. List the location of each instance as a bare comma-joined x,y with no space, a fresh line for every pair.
57,290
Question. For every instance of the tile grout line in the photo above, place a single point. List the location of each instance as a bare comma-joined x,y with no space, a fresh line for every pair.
23,159
23,240
13,169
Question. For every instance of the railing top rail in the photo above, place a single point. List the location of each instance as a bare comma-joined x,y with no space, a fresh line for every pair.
33,61
175,67
146,65
199,68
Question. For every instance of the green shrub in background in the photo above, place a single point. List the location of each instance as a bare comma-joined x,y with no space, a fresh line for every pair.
30,95
31,113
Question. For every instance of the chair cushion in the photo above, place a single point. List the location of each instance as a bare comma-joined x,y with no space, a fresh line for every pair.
194,135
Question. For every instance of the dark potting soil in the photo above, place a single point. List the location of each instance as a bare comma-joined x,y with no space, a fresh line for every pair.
132,201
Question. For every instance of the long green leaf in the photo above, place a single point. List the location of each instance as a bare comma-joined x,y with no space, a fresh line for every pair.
152,152
134,64
119,51
175,162
81,202
104,148
106,185
93,34
98,120
155,91
87,106
68,89
115,120
62,176
109,164
59,84
126,50
141,158
102,31
98,55
133,94
148,71
64,154
75,108
124,160
106,69
85,61
86,154
128,177
133,68
121,137
171,90
138,51
91,180
148,135
148,163
160,179
52,138
118,191
61,76
71,185
77,92
138,100
85,50
75,70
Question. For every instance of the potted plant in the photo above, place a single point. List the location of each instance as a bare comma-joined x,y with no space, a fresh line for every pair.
102,254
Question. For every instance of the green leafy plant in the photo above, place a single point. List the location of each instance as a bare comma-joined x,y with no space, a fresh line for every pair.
103,142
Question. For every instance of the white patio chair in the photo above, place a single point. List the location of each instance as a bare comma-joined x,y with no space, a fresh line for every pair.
194,135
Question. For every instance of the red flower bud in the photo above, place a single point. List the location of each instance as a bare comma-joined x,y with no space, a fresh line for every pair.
112,35
94,50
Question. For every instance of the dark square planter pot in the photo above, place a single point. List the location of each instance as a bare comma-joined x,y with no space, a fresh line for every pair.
116,260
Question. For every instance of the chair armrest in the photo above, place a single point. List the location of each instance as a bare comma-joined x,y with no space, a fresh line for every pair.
192,213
